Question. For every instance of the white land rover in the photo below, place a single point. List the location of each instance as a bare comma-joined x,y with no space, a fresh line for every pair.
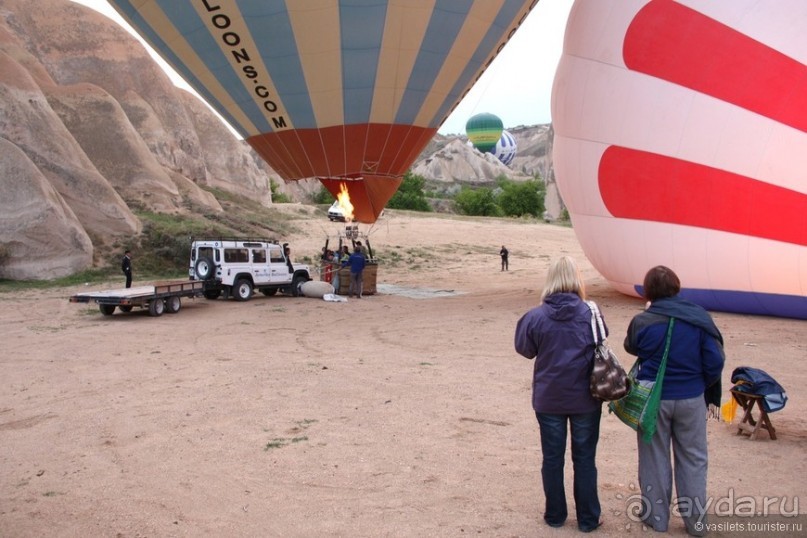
237,266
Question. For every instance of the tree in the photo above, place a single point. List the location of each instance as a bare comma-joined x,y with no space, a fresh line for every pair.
410,194
477,202
519,199
323,196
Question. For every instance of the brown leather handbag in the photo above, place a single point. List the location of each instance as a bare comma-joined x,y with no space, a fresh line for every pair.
608,379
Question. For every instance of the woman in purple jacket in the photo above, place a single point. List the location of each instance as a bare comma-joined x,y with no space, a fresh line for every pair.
557,334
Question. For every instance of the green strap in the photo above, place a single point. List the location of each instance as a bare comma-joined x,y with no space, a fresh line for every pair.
663,366
650,415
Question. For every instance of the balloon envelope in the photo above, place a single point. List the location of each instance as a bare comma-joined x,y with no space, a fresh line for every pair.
680,140
484,130
505,149
347,91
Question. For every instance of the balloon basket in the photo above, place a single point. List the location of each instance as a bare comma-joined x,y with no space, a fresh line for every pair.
369,280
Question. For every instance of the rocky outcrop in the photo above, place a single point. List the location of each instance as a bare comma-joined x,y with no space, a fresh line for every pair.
103,126
534,155
29,122
224,155
41,234
459,162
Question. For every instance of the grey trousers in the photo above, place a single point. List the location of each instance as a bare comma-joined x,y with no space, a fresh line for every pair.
682,423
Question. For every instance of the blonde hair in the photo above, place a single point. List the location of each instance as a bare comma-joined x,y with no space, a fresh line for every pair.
564,277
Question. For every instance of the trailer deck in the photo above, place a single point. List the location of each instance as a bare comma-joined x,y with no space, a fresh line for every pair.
158,298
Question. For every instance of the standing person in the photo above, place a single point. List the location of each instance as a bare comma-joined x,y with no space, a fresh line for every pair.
505,254
557,334
363,249
691,383
287,255
327,267
357,263
335,266
126,267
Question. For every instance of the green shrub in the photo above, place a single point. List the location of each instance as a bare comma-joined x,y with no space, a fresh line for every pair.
410,195
323,196
520,199
477,202
278,197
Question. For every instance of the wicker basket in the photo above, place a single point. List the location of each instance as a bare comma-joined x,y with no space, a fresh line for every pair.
369,279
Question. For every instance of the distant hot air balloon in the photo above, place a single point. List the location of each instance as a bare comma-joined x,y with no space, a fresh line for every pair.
483,131
347,91
505,149
680,140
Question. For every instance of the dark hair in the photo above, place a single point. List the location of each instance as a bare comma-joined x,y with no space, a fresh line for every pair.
661,282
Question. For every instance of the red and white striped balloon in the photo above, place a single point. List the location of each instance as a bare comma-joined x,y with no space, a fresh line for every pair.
681,140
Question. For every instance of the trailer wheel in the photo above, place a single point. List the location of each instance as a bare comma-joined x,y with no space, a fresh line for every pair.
269,291
212,294
242,289
173,304
157,307
106,309
125,308
205,268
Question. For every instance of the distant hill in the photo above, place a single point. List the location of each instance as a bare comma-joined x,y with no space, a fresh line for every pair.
450,160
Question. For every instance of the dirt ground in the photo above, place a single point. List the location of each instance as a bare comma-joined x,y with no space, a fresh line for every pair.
386,416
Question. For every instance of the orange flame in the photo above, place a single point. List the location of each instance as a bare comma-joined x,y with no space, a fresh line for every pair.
344,202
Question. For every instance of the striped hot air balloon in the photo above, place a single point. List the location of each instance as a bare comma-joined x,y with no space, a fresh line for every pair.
483,131
681,140
347,91
505,149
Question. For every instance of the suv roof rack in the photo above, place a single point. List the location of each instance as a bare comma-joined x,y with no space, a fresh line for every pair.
244,239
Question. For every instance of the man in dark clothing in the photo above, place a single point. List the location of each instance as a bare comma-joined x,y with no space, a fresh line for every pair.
505,254
126,267
357,261
287,255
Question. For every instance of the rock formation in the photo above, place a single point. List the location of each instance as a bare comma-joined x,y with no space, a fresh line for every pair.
41,234
106,131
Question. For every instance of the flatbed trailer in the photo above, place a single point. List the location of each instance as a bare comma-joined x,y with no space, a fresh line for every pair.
157,298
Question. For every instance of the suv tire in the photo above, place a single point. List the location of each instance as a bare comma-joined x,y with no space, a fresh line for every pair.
295,284
205,268
212,295
242,290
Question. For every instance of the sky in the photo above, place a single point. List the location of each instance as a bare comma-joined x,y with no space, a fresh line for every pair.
517,86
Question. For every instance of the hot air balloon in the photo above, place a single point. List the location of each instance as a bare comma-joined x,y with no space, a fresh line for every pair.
484,131
347,91
505,149
680,140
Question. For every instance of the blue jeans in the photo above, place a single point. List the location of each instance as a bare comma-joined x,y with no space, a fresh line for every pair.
585,434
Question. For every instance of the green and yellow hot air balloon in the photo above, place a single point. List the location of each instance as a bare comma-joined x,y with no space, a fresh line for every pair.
484,130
